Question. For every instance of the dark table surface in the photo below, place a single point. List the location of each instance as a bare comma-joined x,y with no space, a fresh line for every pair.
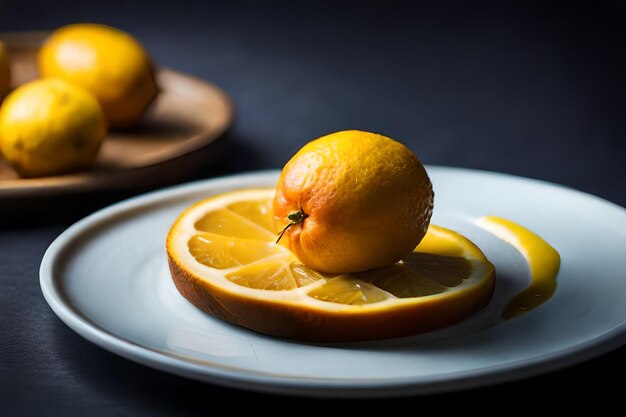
536,90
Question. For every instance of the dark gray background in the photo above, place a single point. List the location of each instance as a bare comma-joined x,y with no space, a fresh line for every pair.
533,89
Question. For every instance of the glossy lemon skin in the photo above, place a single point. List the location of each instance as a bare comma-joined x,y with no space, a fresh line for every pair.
367,201
49,127
108,62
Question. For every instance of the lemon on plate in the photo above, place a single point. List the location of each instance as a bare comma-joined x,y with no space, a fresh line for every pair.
108,62
223,258
49,127
354,201
5,71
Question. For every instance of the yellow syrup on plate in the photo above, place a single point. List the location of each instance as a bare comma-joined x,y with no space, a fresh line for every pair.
544,262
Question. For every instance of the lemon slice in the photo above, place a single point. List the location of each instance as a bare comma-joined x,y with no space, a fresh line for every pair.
223,258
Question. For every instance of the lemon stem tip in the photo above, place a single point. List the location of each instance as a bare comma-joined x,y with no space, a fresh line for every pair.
294,217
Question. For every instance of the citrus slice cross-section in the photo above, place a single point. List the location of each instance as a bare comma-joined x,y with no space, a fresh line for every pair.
223,258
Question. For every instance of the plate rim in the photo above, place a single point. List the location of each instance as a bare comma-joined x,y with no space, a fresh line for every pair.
296,385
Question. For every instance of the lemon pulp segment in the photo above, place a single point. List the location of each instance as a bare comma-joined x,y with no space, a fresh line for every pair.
237,238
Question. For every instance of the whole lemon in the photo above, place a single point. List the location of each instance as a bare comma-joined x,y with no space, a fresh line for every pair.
353,201
49,127
111,64
5,71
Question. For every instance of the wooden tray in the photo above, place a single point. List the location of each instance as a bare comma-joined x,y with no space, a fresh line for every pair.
179,132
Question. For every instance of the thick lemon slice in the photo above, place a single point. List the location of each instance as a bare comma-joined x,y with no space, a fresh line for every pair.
224,260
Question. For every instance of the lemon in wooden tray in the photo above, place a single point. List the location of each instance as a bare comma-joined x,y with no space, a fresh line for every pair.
50,127
224,256
109,63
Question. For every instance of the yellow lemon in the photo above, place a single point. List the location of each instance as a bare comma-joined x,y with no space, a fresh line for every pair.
353,201
109,63
223,258
5,71
49,127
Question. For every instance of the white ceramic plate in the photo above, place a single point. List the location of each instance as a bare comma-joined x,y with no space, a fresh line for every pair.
107,278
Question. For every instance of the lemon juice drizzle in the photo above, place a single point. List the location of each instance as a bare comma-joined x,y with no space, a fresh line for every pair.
543,260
